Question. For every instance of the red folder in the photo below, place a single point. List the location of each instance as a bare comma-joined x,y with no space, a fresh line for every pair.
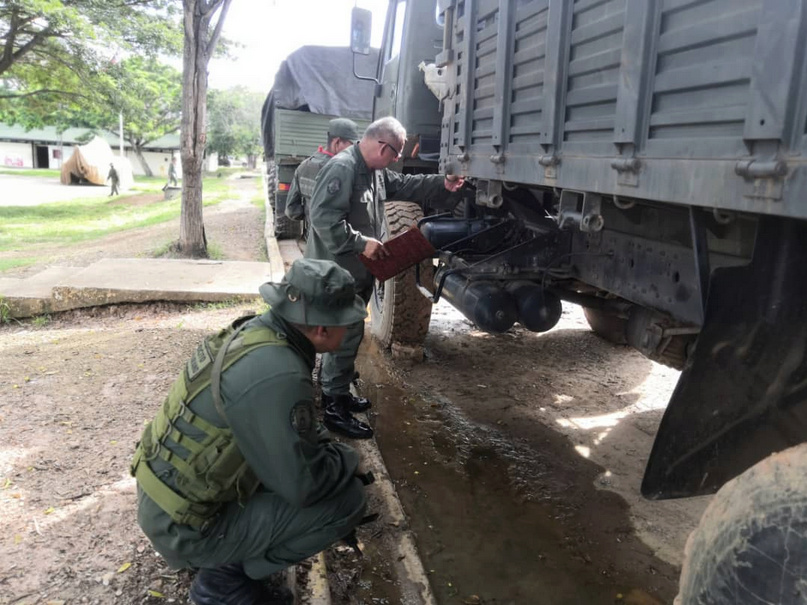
404,250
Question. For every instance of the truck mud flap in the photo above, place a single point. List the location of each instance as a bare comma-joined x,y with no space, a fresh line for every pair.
743,392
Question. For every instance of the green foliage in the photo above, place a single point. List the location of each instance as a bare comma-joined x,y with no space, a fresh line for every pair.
147,93
15,263
56,55
234,121
214,251
5,311
40,321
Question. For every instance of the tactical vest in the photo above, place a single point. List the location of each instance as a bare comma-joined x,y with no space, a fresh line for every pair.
214,470
307,173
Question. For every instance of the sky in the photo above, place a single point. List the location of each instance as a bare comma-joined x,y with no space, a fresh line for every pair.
271,29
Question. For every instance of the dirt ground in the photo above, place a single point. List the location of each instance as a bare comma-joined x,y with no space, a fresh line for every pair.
517,457
75,392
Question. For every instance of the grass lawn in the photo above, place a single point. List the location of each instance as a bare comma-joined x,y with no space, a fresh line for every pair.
31,172
78,220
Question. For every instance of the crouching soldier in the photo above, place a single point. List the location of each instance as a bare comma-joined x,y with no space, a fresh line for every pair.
235,476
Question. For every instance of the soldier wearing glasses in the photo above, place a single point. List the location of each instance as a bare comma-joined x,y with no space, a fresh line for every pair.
347,218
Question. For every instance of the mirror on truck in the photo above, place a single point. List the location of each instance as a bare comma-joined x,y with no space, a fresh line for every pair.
361,24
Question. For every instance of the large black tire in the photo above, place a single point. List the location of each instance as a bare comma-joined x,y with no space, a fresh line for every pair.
399,312
286,228
271,183
751,543
609,326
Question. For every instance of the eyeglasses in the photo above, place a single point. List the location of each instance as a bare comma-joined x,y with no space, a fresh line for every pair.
394,151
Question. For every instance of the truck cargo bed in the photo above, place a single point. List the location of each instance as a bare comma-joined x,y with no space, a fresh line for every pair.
683,101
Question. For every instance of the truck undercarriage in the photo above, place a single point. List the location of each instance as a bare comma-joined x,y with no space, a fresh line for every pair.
717,295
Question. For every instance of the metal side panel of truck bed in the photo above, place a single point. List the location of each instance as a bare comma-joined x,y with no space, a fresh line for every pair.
680,101
299,133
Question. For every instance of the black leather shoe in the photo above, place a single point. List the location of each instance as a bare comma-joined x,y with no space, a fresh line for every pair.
229,585
348,402
342,422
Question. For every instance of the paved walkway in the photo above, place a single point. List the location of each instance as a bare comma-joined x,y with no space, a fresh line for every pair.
18,190
129,280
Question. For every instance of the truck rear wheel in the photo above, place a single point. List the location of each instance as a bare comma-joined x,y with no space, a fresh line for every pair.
606,325
286,228
751,543
400,313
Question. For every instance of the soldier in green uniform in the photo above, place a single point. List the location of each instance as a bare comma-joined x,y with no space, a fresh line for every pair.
114,179
342,133
235,476
347,219
172,173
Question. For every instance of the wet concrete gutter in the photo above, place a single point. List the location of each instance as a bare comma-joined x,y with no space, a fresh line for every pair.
408,567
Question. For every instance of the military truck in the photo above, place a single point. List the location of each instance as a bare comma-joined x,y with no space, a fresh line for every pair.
644,159
296,112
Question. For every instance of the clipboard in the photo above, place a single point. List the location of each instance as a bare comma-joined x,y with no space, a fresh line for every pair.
404,250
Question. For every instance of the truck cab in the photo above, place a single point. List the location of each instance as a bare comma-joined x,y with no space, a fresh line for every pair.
412,36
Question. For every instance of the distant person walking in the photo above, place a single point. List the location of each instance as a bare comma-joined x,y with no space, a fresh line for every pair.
113,178
172,172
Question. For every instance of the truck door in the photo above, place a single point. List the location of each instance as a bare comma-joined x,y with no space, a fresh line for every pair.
385,103
411,36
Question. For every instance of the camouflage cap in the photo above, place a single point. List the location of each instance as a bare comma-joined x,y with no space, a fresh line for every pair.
344,129
316,293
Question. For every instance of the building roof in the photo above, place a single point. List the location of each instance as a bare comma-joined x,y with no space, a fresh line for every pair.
49,136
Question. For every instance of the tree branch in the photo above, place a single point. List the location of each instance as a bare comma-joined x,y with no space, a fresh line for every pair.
214,37
20,52
44,91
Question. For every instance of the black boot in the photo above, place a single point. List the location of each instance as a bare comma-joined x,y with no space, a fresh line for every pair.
229,585
338,419
348,402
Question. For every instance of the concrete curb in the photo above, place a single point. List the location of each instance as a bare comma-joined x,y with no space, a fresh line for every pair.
412,578
272,247
132,280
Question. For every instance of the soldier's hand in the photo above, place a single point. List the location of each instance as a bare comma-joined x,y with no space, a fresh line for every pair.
454,182
375,250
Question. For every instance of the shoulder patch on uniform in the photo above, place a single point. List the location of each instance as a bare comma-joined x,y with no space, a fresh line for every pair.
302,417
334,185
200,359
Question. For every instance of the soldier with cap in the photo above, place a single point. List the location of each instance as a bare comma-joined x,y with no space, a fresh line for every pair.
235,476
342,133
114,179
347,219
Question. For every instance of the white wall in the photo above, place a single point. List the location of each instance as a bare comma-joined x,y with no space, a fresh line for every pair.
16,155
54,162
157,161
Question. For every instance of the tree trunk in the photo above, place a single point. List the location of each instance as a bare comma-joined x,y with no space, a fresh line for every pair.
138,149
200,41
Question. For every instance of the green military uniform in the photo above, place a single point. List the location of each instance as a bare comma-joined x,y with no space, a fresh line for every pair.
172,173
305,177
347,208
113,177
302,185
286,491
